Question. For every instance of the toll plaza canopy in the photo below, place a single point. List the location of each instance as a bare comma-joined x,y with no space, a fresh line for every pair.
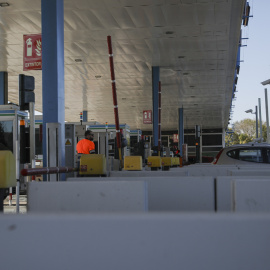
195,44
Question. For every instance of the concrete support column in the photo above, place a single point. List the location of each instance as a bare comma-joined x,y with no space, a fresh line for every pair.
53,91
155,100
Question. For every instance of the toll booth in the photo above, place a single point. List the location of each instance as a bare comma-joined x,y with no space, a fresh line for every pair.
75,132
135,137
10,137
100,138
38,144
139,145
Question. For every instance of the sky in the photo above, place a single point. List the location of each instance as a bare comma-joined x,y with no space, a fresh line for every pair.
255,65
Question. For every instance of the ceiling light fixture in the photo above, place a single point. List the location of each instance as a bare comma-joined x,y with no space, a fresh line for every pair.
5,4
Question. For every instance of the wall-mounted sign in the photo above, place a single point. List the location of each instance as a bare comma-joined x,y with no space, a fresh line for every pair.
147,117
175,138
32,52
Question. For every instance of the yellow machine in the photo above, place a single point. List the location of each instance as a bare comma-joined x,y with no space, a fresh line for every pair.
7,169
154,162
133,163
94,164
175,161
166,163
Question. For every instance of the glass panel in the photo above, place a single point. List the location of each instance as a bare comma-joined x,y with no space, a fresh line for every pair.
164,141
252,155
267,155
233,154
38,141
6,135
215,139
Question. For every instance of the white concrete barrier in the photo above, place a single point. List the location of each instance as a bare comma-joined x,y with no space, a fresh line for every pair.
94,196
254,166
184,193
250,172
135,241
251,195
171,173
224,191
213,170
191,170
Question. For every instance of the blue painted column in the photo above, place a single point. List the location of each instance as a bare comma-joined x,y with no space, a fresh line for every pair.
85,116
53,90
155,90
3,88
180,130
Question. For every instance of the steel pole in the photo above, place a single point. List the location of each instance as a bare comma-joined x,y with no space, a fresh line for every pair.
32,133
48,170
159,118
266,111
117,127
260,116
256,112
107,149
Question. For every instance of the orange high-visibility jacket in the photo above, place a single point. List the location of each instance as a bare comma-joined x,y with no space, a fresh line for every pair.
85,146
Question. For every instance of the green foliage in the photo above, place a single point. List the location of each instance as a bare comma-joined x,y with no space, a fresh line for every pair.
244,132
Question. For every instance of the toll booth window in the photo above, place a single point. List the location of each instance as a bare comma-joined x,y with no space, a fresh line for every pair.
38,142
189,139
215,139
6,135
164,141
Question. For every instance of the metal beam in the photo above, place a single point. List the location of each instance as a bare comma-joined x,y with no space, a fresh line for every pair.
53,91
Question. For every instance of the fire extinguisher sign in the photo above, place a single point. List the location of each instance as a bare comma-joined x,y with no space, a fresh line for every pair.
32,52
147,117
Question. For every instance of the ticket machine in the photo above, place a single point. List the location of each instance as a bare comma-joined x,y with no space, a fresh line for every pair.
10,136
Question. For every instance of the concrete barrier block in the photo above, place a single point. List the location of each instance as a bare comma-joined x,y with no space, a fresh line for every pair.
135,241
249,172
94,196
251,195
186,193
172,173
224,191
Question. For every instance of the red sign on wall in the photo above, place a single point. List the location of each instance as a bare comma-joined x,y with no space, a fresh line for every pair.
175,138
147,117
32,52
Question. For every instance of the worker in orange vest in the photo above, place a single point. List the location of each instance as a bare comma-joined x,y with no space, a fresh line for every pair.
86,146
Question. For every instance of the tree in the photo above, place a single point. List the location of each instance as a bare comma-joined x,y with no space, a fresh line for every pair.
243,132
231,138
246,126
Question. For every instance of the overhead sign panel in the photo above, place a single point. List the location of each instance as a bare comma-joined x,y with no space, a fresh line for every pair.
32,52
